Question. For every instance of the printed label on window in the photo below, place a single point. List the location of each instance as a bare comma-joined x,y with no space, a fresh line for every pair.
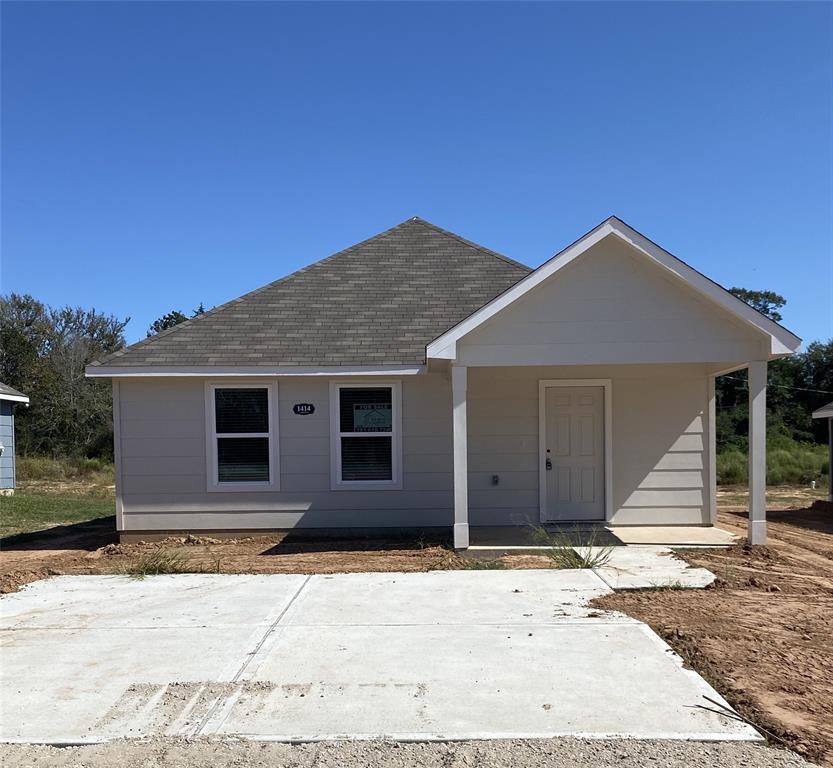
372,417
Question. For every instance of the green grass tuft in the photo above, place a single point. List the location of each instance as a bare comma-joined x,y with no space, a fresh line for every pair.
162,561
573,548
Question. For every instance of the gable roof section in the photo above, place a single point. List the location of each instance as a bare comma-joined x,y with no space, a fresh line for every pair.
377,303
9,393
825,412
782,341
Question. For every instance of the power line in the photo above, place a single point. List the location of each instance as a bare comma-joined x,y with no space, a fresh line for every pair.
786,386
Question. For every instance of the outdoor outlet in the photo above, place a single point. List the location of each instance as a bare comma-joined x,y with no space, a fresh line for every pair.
495,480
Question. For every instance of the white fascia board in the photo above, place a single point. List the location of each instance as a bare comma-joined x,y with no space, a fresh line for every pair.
15,398
783,342
156,371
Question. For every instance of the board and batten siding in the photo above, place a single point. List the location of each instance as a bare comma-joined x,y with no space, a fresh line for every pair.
660,442
612,305
7,467
162,453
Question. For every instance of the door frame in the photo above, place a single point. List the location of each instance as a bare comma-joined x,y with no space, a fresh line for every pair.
543,385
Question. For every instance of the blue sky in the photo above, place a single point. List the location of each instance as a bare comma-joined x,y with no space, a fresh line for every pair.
159,155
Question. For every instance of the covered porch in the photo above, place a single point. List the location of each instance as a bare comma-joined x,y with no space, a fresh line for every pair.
632,454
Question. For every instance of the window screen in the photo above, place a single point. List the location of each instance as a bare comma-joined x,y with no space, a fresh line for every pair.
241,418
365,415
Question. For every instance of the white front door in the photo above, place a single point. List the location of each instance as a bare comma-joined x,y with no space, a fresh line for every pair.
574,453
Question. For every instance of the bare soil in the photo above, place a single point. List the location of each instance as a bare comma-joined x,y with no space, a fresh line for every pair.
92,548
762,635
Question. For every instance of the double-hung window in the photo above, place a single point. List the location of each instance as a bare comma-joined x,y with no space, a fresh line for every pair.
366,435
242,437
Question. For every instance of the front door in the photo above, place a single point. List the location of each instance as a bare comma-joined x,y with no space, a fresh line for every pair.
574,453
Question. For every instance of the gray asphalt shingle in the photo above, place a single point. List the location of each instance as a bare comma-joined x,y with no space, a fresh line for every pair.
379,302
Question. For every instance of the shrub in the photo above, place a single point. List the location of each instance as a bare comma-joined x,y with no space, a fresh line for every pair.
64,468
789,462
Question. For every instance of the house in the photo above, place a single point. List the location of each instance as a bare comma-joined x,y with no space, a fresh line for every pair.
418,380
9,400
826,412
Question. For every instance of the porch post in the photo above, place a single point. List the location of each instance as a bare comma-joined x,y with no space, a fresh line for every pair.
757,452
459,379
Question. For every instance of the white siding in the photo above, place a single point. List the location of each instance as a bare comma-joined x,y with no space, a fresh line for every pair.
612,305
163,464
660,456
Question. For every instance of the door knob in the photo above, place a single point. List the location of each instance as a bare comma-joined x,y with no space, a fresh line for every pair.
548,464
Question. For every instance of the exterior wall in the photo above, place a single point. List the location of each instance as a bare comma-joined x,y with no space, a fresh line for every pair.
660,453
612,305
660,442
7,439
161,449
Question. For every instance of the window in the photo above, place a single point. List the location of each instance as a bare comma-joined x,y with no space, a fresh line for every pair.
366,435
241,447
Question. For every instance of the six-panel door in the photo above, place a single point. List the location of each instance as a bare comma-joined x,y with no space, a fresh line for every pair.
574,453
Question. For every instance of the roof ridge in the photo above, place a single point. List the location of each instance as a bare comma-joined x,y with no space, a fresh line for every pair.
254,292
471,244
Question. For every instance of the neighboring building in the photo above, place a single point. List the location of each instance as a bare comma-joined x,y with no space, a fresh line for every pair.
826,412
9,400
418,380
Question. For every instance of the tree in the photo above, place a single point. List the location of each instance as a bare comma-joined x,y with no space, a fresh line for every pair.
173,318
43,352
766,302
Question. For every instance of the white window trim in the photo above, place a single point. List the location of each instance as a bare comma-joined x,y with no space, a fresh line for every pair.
543,385
395,483
212,482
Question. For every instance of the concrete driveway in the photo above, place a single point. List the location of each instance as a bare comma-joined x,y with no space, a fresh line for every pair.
441,655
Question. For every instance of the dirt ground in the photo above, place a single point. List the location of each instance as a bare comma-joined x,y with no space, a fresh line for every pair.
763,634
91,548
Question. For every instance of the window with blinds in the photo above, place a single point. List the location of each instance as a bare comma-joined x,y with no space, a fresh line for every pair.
367,435
242,435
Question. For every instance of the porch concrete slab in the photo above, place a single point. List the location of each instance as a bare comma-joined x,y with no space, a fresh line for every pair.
356,656
674,535
646,567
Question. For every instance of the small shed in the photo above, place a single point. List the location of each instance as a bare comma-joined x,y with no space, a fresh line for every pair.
9,399
826,412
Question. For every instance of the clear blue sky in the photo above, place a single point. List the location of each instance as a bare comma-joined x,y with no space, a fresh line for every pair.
156,155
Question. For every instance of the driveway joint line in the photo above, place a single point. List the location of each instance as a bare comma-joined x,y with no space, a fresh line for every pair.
208,715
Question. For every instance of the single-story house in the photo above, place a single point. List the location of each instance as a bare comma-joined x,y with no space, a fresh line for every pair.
9,399
826,412
419,380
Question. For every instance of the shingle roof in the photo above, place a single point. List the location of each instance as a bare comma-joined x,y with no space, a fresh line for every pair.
376,303
7,392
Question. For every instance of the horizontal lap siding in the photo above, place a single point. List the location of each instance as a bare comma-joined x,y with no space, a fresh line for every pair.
7,440
163,462
660,456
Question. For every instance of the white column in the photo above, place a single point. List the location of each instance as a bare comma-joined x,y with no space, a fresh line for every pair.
830,459
459,379
757,452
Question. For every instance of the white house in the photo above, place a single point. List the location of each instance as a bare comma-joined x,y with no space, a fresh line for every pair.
419,380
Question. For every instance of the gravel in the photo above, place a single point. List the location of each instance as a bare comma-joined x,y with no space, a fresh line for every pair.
552,753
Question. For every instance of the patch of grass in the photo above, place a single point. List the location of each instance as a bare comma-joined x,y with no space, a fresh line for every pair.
94,471
28,511
162,561
573,548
